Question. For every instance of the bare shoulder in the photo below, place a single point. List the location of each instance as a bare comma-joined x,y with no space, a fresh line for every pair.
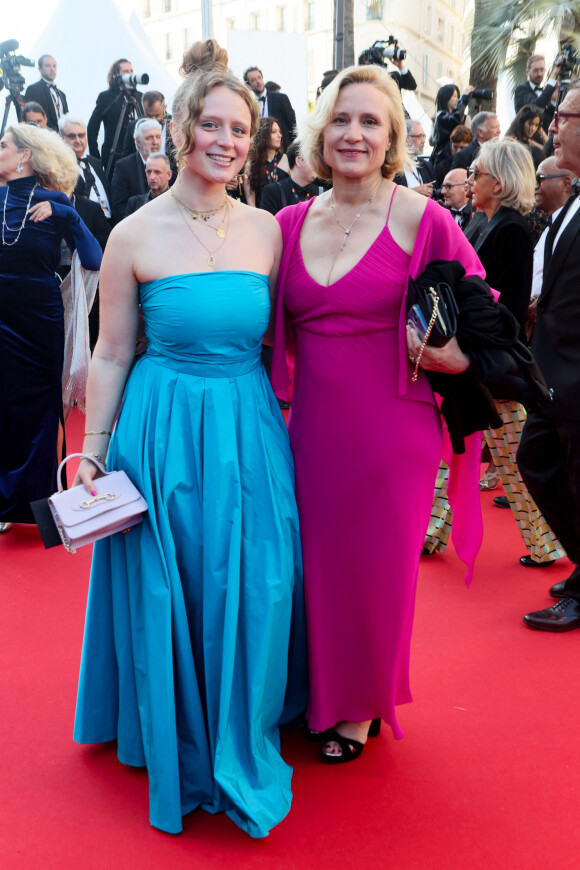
406,214
259,220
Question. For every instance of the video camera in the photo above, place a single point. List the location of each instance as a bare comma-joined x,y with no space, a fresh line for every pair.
10,64
130,81
479,94
383,49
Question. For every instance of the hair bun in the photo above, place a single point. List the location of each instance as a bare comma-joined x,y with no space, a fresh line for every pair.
203,56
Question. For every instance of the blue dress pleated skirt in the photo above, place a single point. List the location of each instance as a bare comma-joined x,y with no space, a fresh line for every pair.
194,652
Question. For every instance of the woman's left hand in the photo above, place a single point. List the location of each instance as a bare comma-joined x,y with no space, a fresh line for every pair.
449,359
40,212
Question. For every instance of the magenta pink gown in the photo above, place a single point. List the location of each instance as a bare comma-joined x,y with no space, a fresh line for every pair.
367,445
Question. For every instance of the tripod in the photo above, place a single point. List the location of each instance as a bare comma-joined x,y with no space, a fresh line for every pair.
12,99
129,105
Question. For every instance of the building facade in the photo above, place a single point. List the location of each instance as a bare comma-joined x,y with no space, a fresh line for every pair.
431,31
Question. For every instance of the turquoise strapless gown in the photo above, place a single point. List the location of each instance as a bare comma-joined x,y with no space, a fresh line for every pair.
194,647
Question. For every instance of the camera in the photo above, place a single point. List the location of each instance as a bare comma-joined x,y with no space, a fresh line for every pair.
569,60
130,81
482,94
381,49
10,64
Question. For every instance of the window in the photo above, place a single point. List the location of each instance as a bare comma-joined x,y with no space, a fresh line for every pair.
254,20
168,47
439,69
425,70
188,38
309,16
451,37
230,23
167,5
146,8
281,19
440,30
428,19
374,10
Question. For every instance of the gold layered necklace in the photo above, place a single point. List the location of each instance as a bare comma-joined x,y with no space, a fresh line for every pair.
19,229
198,215
221,230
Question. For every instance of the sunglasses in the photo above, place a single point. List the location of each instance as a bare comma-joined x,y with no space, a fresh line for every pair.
72,136
540,178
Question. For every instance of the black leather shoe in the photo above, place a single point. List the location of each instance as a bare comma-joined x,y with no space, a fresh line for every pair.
528,562
563,616
501,501
568,587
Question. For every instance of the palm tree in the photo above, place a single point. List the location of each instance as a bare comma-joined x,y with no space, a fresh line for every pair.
343,33
517,24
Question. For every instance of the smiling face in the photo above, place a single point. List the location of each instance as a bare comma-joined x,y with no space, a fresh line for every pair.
359,132
222,137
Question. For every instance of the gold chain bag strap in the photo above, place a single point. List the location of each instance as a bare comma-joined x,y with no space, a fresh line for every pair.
81,518
430,325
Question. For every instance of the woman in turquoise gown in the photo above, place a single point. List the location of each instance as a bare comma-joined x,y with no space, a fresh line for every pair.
194,649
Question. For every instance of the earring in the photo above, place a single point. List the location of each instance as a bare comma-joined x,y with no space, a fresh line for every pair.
19,168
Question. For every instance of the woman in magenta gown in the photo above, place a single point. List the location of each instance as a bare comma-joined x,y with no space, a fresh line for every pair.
366,439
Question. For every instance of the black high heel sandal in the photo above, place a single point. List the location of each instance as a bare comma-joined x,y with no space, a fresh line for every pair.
350,749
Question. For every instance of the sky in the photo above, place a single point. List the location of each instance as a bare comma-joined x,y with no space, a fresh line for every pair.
25,20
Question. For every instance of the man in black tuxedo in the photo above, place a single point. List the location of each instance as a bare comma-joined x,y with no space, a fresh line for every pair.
154,107
298,187
129,177
484,126
532,92
272,104
92,182
549,453
46,93
455,196
420,178
108,110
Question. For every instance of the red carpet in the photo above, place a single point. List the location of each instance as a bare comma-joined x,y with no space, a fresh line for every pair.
485,777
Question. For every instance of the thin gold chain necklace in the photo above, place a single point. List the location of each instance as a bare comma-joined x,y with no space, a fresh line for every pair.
197,214
211,258
359,214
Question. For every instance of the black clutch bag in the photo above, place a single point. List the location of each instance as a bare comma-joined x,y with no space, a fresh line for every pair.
432,311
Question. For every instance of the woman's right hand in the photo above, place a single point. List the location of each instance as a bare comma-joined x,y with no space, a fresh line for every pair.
86,474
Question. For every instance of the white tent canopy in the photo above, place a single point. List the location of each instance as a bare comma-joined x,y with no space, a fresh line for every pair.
85,53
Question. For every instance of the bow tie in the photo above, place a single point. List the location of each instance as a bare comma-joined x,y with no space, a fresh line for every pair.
262,99
457,211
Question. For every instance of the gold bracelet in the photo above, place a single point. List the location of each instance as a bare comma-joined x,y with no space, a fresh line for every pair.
103,432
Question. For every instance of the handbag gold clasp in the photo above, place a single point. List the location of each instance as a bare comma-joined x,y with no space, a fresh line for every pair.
88,503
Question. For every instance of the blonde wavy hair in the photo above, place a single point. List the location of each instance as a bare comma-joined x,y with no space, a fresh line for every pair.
311,134
53,163
510,163
205,66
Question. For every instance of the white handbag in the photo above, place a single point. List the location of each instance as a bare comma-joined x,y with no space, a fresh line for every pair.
82,518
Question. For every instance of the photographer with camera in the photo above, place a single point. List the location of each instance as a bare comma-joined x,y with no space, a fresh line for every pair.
121,103
451,108
379,54
532,92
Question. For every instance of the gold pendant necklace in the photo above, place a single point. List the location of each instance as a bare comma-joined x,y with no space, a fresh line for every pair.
222,233
197,215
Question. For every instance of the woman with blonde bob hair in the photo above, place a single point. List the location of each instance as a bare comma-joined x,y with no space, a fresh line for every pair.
366,436
39,171
187,661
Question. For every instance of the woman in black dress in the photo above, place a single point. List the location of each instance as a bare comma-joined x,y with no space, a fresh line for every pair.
36,216
266,161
